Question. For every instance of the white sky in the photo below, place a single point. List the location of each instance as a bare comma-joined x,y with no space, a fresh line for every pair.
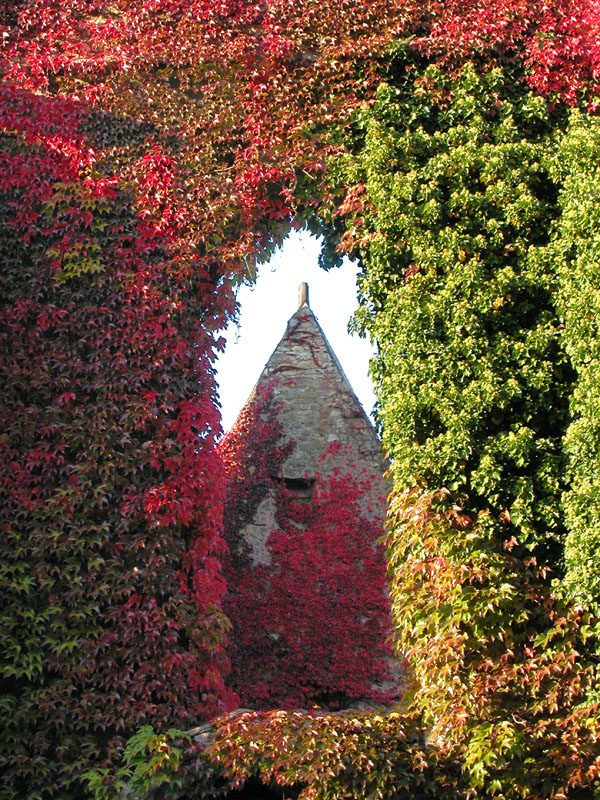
266,308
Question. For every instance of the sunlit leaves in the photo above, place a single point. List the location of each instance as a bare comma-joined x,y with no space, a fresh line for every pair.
468,340
152,153
576,252
476,303
502,667
312,754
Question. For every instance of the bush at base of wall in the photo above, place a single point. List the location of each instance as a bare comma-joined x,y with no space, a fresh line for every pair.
316,755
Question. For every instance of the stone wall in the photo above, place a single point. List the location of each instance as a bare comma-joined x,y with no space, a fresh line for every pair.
318,403
318,408
307,597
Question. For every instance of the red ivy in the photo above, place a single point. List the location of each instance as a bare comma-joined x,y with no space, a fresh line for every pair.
149,152
558,43
310,627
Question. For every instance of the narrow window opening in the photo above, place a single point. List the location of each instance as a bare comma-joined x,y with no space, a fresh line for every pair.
301,488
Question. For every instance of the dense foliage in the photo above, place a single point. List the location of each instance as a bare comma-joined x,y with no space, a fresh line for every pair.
110,487
575,252
311,625
474,386
502,668
477,287
315,755
144,167
151,152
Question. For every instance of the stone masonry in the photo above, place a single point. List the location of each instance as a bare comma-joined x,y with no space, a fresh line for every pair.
318,408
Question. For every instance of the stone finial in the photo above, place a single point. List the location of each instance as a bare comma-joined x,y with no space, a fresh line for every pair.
303,295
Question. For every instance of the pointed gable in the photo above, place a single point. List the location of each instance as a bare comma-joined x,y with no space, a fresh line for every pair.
303,522
318,404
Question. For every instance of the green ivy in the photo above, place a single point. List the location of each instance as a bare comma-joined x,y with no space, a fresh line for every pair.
576,253
453,204
473,385
151,763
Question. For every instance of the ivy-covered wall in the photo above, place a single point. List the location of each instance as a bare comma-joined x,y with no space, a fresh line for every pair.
152,153
304,518
466,202
574,251
143,173
473,384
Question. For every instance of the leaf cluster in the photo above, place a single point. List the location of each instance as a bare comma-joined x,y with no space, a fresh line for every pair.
312,754
151,154
472,381
466,202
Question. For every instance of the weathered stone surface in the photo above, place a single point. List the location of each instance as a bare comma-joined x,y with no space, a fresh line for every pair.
318,408
318,403
257,532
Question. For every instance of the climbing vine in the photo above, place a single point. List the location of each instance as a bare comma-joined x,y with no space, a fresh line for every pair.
575,252
151,154
144,171
309,625
456,211
503,667
300,754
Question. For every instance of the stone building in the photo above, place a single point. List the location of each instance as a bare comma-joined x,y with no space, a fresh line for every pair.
306,574
318,408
